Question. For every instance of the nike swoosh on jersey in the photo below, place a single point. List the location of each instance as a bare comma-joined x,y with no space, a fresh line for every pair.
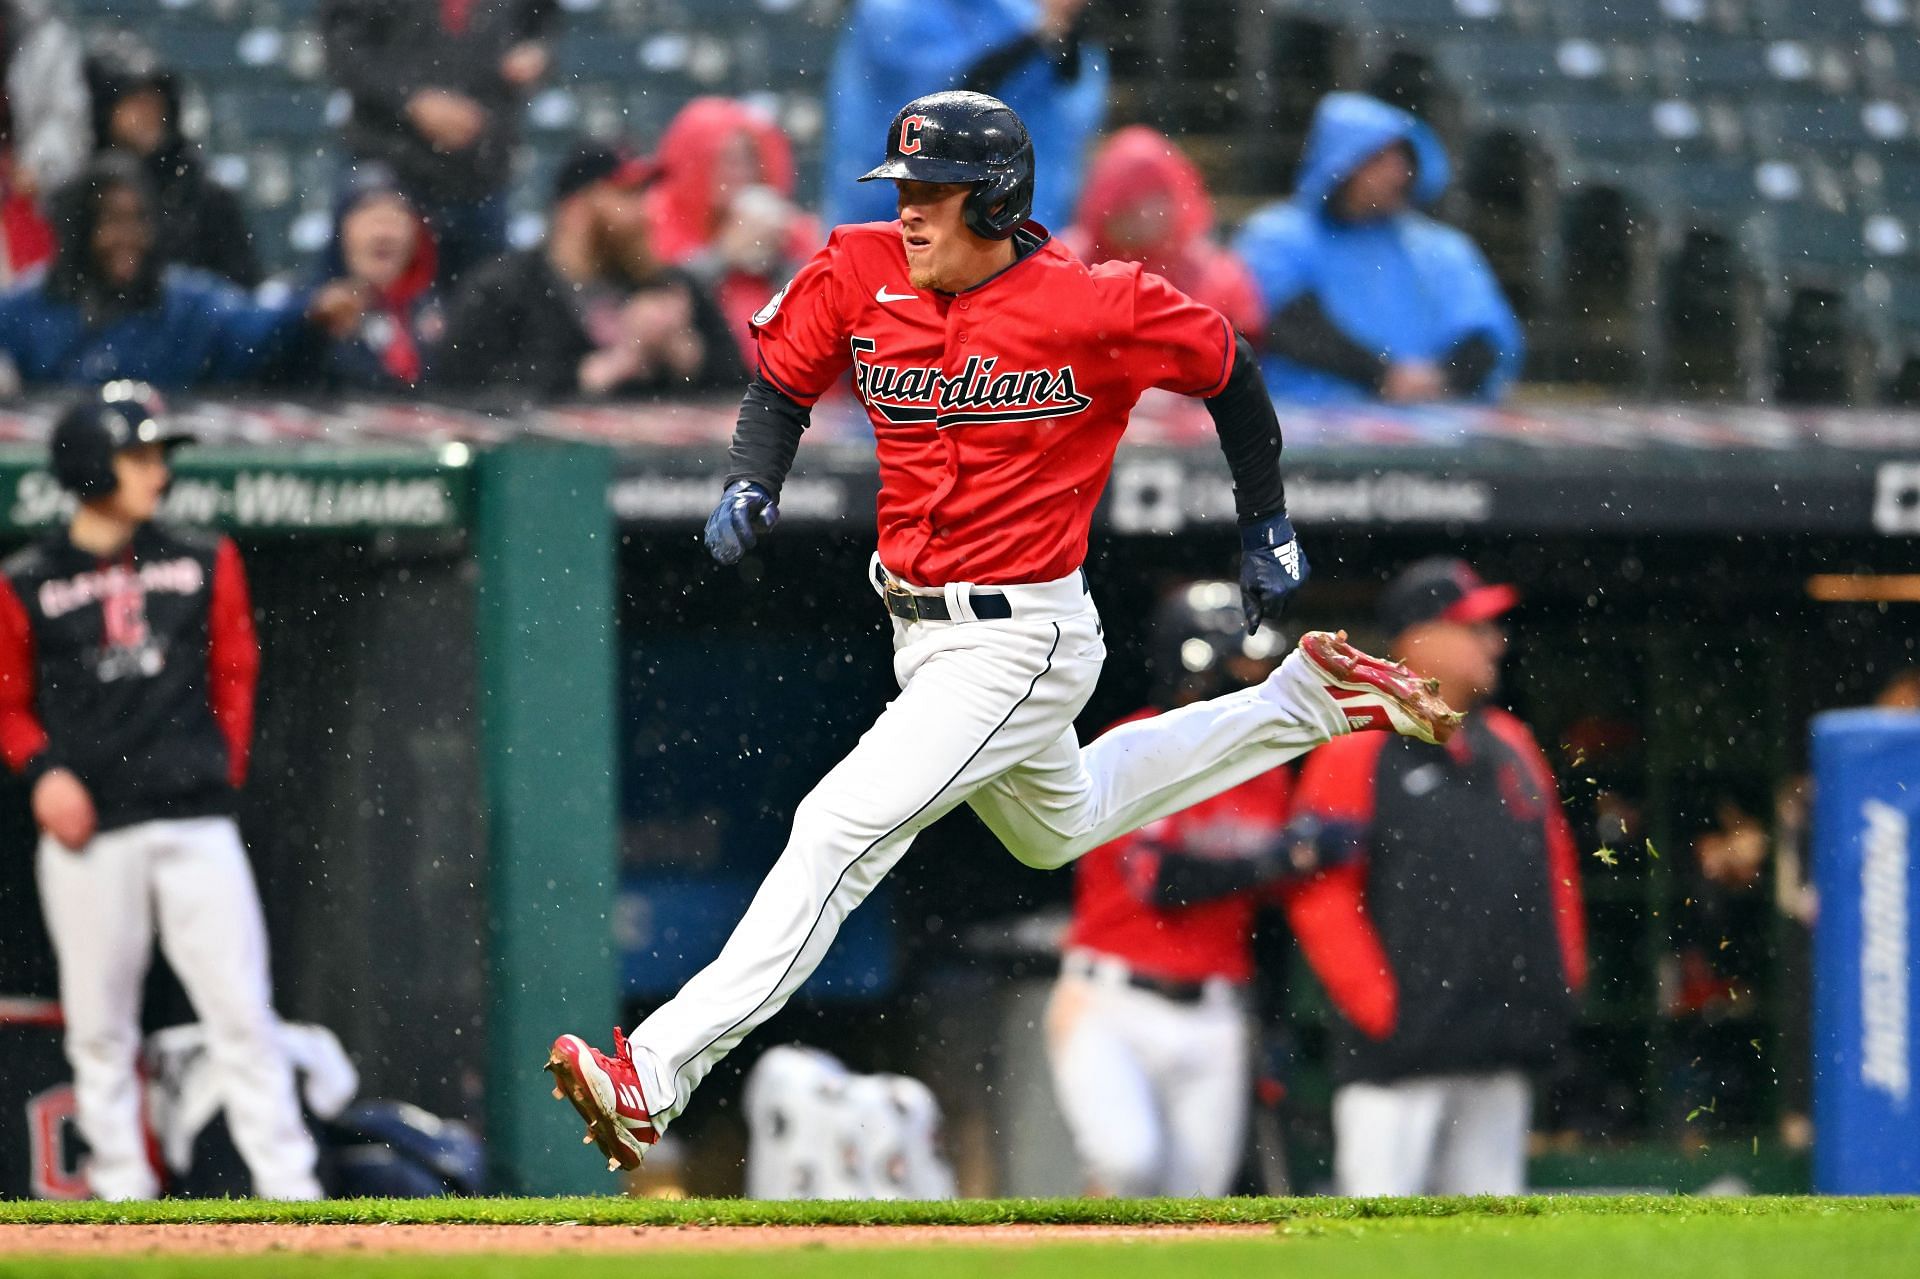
884,296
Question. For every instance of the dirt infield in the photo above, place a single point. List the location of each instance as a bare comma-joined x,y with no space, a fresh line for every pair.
249,1239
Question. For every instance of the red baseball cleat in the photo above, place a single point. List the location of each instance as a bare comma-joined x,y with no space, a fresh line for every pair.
1377,694
606,1092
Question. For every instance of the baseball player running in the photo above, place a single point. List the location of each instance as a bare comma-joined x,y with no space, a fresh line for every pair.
127,670
998,371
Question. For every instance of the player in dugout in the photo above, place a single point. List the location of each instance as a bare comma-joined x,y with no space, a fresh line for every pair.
1149,1018
127,669
998,371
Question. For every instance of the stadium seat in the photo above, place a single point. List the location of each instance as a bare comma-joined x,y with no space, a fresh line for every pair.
1395,18
1528,67
1741,67
1838,124
195,45
1633,18
1708,301
1836,18
1637,131
1801,243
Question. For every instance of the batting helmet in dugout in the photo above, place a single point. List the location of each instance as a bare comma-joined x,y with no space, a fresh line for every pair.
121,415
962,137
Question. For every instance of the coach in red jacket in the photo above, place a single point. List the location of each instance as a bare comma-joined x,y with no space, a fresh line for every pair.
1466,899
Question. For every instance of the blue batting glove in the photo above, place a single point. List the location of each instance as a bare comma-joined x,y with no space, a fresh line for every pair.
1272,567
747,512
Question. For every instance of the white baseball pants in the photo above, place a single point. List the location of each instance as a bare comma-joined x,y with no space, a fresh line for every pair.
189,877
1433,1135
1153,1091
985,716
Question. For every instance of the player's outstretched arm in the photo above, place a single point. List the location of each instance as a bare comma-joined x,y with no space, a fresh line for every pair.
1272,565
765,439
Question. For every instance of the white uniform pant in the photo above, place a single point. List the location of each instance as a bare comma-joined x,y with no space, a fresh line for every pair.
985,716
189,877
1154,1091
1433,1135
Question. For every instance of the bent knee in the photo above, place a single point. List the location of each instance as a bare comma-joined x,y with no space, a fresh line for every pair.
1050,852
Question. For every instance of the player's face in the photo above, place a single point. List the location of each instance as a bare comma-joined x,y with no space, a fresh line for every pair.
941,252
142,474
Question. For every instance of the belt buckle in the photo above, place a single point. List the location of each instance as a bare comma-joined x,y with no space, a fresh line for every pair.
909,601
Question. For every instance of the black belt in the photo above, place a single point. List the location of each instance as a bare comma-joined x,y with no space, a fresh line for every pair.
988,606
1180,992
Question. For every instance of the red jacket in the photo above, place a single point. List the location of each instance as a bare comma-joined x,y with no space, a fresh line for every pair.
1141,173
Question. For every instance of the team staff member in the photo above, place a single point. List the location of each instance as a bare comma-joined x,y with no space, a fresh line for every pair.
1464,909
998,372
127,670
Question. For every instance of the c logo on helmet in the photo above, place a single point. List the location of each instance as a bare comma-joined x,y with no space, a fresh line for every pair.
910,133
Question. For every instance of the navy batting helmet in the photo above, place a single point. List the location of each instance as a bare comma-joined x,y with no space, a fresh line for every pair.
1196,630
122,415
957,136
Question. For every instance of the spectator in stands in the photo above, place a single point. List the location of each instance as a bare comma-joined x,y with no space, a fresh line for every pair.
1464,904
437,87
1145,202
1368,298
752,257
136,108
714,149
1033,55
723,206
382,245
43,126
590,312
107,308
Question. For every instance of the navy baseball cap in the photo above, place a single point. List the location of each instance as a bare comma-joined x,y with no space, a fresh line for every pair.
1443,588
592,164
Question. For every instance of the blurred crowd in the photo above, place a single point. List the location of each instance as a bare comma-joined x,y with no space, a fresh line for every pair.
128,260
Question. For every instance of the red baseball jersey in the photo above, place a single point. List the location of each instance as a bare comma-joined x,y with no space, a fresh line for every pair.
1113,911
995,411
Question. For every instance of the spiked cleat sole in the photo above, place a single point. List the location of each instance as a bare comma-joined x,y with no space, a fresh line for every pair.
1412,706
621,1150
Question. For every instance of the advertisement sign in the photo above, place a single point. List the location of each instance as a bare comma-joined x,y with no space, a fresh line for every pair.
1866,866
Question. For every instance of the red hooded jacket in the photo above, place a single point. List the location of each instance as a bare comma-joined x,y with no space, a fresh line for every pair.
1137,165
684,204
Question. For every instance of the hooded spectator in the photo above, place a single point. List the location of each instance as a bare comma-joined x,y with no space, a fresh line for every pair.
107,308
136,108
590,312
43,126
437,88
1031,54
1145,202
714,149
723,207
382,245
1368,298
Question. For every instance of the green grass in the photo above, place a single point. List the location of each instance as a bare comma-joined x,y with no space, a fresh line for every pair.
1534,1238
614,1211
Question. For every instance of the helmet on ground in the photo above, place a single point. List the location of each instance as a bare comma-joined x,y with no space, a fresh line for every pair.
957,136
1198,629
121,415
